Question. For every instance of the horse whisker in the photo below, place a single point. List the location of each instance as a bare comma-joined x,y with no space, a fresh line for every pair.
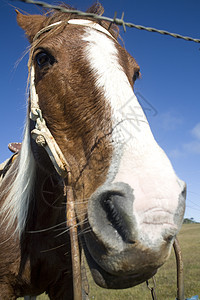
46,229
67,229
52,249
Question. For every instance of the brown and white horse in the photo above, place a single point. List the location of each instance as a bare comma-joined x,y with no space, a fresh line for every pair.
129,201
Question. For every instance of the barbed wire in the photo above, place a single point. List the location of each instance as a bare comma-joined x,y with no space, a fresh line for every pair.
115,20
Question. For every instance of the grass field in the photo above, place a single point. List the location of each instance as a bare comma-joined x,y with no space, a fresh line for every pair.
189,239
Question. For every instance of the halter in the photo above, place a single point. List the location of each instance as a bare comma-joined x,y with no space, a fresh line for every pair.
81,22
43,137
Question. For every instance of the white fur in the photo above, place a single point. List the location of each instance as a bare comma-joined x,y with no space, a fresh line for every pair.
137,158
15,207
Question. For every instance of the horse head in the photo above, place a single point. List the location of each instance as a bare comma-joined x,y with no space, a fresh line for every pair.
129,201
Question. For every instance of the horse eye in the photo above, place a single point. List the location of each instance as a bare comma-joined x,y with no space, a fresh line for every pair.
136,76
44,59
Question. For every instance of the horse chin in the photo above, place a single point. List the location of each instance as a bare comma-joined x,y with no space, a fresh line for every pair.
126,267
116,281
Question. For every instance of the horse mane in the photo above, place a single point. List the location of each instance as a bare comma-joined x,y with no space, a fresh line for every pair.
19,193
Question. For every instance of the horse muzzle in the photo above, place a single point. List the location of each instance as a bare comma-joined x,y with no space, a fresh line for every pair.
124,247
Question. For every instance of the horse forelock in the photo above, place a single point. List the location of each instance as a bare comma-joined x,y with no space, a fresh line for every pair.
55,16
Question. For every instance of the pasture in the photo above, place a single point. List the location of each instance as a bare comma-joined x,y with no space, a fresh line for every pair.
189,238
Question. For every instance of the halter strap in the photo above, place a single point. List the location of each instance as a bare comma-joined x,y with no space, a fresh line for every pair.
42,135
90,24
81,22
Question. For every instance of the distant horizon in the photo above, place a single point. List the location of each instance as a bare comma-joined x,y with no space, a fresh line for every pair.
190,221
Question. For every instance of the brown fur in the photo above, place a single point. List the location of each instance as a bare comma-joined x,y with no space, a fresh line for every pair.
79,119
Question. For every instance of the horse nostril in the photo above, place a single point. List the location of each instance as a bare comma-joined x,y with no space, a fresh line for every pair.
114,204
184,191
112,211
183,188
110,215
169,238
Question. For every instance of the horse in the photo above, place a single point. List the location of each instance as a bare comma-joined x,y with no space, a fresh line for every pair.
128,201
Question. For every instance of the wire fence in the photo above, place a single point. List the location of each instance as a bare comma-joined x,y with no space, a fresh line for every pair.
114,20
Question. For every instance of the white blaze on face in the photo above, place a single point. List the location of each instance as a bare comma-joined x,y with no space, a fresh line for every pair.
137,158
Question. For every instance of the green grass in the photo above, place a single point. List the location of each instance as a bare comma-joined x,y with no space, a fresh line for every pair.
189,239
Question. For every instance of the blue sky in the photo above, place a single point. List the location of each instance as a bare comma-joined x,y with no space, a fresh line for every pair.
169,89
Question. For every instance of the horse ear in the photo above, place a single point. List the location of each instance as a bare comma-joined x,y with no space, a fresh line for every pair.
30,23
